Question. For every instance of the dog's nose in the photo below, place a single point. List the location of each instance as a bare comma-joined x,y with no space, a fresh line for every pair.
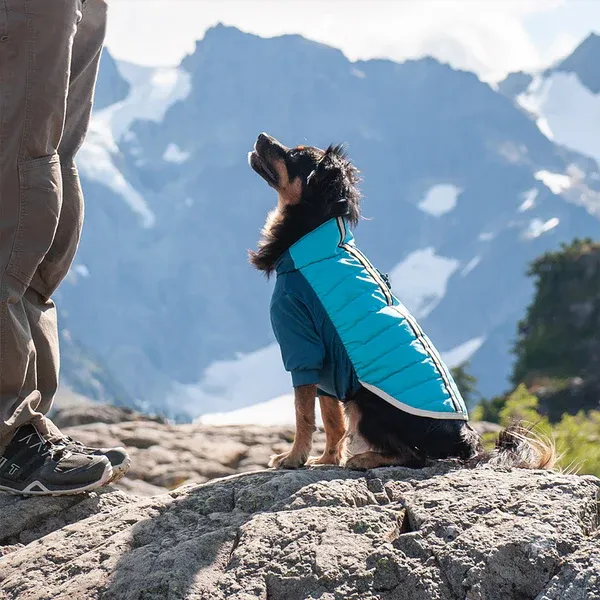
263,137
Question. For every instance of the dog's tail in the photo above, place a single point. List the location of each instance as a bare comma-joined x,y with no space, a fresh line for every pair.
522,447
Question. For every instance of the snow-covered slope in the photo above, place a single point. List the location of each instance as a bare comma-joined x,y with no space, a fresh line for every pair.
565,103
151,93
422,279
278,411
462,190
567,111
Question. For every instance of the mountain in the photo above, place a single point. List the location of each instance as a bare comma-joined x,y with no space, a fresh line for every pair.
84,372
113,87
583,62
463,189
565,99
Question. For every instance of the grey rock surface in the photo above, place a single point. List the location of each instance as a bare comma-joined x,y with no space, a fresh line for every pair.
326,533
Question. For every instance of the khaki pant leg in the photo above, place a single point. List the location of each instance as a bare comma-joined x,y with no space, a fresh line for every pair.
36,43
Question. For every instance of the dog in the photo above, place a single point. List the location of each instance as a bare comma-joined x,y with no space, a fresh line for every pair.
385,395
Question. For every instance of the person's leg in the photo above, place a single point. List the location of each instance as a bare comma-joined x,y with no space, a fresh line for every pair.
35,55
36,44
87,49
85,58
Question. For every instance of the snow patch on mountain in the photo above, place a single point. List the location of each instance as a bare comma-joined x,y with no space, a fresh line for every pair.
152,93
232,384
573,187
537,227
175,154
470,266
529,200
421,279
462,353
440,199
278,411
555,182
567,112
96,161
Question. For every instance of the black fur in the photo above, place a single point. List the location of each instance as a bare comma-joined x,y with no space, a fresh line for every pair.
395,432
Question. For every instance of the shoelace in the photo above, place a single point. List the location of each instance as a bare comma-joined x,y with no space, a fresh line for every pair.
67,440
54,447
74,445
46,445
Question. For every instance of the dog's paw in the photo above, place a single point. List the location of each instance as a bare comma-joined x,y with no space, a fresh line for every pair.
288,460
327,458
357,463
366,461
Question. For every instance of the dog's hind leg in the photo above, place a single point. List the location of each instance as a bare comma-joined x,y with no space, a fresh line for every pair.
304,401
353,444
333,420
359,453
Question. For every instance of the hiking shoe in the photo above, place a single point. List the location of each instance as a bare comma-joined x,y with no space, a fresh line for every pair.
36,465
118,457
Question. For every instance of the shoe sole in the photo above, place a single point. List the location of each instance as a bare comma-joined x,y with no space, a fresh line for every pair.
104,480
119,471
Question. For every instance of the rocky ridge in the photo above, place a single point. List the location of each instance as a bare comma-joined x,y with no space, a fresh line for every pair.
326,533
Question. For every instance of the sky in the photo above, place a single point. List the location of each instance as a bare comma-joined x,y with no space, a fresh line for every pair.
489,37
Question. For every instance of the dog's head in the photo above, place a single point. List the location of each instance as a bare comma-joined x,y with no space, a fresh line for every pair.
305,174
312,185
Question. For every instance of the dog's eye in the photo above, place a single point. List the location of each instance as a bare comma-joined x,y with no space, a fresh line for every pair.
297,151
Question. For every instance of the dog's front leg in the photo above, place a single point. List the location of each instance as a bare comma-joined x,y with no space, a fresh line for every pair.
333,420
304,400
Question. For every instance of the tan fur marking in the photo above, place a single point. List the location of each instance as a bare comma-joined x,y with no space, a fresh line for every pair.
333,420
289,192
352,443
304,401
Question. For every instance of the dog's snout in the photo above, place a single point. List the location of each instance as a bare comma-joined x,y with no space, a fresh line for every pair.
263,142
267,145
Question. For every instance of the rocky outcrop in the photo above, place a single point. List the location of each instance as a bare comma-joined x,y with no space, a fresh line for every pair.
165,456
73,416
327,533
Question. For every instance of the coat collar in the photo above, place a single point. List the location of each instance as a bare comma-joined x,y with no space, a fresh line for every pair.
325,241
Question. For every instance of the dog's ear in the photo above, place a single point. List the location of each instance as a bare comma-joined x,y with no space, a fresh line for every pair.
332,185
329,170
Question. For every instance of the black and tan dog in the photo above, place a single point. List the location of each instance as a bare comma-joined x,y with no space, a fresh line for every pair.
348,340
